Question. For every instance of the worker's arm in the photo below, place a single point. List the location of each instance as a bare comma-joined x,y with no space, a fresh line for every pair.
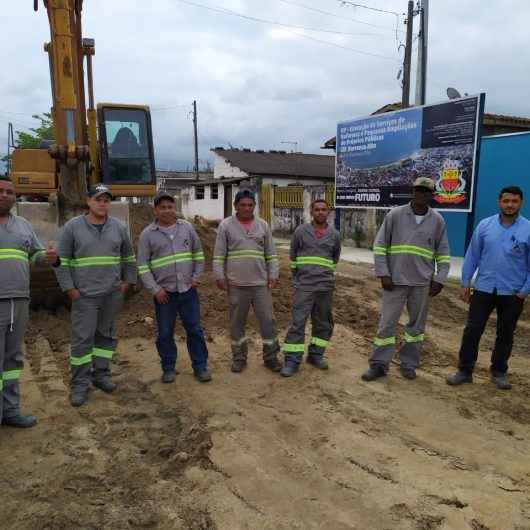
271,258
293,252
382,243
197,255
65,250
37,254
472,257
337,249
525,291
144,269
442,256
220,254
128,259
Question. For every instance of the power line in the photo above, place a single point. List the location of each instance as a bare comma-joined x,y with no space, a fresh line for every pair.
273,22
369,8
263,21
329,13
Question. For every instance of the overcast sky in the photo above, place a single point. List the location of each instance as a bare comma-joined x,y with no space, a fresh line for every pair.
258,84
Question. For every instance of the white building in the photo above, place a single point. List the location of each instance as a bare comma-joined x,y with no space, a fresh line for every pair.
285,183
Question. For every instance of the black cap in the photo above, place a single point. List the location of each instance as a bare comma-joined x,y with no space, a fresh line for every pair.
160,195
99,189
245,194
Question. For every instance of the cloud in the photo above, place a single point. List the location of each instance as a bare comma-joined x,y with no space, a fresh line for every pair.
259,84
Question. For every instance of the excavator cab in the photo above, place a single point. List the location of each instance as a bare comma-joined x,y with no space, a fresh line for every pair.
126,149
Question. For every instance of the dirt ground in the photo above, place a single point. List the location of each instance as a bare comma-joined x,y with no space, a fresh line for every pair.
254,451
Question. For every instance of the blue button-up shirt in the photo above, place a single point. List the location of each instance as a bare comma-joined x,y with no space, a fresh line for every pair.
502,256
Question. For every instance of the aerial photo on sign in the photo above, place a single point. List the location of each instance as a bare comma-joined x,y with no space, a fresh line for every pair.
380,156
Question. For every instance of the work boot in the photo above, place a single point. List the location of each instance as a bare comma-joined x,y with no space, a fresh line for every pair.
203,376
238,365
407,373
501,380
373,373
168,377
289,368
20,421
274,365
105,384
78,397
459,377
318,361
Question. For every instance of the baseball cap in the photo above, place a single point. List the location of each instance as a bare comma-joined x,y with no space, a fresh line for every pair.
424,182
163,195
99,189
245,194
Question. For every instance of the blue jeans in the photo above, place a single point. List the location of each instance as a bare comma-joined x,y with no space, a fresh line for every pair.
187,306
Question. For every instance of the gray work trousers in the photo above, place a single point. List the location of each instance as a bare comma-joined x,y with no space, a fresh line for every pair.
319,306
259,297
417,302
93,337
14,316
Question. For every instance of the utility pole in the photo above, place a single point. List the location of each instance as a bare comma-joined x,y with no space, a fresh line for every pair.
405,99
196,140
421,76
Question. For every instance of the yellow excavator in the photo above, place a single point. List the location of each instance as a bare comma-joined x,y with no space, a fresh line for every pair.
111,143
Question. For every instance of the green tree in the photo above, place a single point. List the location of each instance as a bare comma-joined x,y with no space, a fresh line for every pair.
33,139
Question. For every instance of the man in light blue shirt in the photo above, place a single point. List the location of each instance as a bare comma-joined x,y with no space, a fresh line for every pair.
500,250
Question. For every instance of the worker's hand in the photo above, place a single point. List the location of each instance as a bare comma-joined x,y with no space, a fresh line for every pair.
221,284
465,294
51,255
73,294
124,288
194,284
273,284
386,283
436,288
161,297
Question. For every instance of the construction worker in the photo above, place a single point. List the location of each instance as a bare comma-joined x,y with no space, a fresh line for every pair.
246,265
170,262
19,247
315,252
97,268
412,260
500,250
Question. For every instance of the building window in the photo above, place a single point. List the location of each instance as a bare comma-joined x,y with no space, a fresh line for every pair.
215,191
199,192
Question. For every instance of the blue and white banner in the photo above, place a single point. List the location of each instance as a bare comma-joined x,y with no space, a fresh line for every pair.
380,156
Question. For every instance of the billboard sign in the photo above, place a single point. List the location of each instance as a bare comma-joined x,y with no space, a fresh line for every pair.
380,156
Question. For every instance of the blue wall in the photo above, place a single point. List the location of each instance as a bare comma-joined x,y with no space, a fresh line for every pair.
504,161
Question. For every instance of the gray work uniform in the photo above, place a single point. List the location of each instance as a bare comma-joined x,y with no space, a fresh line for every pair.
413,255
95,262
247,261
19,246
313,263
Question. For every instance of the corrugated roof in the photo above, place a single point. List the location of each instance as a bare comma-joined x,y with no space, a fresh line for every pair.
261,163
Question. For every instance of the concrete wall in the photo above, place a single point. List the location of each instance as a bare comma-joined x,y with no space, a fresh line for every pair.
212,209
223,169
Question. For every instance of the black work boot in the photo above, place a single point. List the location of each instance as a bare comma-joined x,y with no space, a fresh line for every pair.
318,361
203,376
168,376
373,373
105,384
407,372
78,396
238,365
501,380
459,378
274,365
20,421
289,368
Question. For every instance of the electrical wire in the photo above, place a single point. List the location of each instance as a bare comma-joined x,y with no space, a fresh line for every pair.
370,8
264,21
329,13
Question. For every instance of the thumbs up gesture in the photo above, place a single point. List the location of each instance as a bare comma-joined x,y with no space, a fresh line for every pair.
51,254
